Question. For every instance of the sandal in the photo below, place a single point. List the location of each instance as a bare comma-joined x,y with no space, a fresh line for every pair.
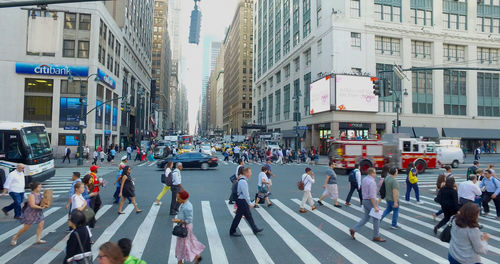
138,211
121,213
13,242
41,242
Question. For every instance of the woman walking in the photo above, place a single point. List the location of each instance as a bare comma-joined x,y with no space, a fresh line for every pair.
187,248
127,190
307,179
412,182
79,235
32,214
168,170
87,194
441,181
448,199
467,241
262,187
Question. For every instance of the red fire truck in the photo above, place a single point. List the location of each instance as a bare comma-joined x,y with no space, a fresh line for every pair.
393,150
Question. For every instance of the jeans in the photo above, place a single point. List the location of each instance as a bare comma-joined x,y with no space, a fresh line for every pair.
16,204
354,186
367,205
307,198
410,186
174,205
129,156
395,212
242,210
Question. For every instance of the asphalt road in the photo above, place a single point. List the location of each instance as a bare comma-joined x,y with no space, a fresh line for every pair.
289,237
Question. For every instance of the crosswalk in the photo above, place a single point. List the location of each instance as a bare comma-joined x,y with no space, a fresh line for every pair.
319,236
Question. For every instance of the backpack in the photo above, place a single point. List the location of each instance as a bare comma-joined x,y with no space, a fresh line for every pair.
382,190
471,170
412,177
300,185
234,190
352,176
167,179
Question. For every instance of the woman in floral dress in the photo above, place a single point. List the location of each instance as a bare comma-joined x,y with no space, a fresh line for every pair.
32,214
187,248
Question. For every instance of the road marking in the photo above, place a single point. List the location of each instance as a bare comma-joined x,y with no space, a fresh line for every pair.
290,241
367,242
217,251
173,243
30,241
414,247
334,244
110,231
61,245
144,231
153,163
253,242
421,234
14,230
142,164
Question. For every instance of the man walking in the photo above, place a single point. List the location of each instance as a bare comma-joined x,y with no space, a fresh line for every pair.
15,184
269,174
491,193
369,202
392,197
355,181
176,187
280,157
473,169
129,153
308,180
67,153
330,186
477,153
137,154
96,157
244,204
468,191
236,152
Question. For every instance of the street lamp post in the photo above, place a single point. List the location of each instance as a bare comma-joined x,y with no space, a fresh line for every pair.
296,118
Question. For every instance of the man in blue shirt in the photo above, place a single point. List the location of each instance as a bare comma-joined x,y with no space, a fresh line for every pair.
244,205
491,193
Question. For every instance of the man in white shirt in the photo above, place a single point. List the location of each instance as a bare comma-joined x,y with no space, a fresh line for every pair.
468,190
176,187
236,152
129,153
308,180
280,157
15,185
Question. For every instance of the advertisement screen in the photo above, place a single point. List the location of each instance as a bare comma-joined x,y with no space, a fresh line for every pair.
107,109
320,95
70,109
115,116
355,93
71,141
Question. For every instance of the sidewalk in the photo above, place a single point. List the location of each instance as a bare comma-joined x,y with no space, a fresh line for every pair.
88,162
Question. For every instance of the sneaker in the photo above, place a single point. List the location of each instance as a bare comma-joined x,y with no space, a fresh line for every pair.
338,205
348,203
320,202
420,202
302,210
256,206
395,227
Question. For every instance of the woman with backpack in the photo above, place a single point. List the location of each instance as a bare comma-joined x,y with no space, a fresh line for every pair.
441,181
448,199
412,182
78,246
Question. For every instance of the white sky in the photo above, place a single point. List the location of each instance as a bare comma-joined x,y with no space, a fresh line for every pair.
216,16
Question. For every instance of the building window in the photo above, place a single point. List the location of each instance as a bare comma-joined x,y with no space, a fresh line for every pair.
421,49
243,105
286,102
455,21
287,71
277,111
453,52
307,56
488,24
387,46
73,88
318,13
70,20
355,39
296,63
84,22
270,112
421,17
455,93
319,45
487,94
278,77
422,92
296,28
487,55
307,93
387,12
117,50
69,48
83,49
306,17
355,8
386,101
38,101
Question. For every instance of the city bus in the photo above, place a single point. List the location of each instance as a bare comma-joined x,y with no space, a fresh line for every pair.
26,143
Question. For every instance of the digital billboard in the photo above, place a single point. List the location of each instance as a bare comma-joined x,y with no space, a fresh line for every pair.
70,109
71,140
107,114
355,93
115,116
320,96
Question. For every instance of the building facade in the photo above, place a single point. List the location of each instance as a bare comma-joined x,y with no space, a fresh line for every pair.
237,102
87,51
174,27
298,42
217,92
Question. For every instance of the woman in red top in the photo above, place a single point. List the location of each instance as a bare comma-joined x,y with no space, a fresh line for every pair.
95,202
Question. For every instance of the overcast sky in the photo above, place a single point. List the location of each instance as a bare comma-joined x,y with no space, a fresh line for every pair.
216,16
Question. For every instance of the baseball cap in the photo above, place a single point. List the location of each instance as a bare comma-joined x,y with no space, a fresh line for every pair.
94,168
124,158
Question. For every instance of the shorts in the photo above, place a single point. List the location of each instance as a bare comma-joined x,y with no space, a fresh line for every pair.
331,191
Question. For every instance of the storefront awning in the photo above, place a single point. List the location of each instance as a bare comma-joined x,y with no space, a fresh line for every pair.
426,132
471,133
292,133
404,130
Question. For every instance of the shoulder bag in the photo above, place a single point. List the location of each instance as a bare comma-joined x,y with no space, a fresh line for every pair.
89,213
83,258
445,236
180,230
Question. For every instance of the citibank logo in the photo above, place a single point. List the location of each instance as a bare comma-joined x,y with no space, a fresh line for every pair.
52,70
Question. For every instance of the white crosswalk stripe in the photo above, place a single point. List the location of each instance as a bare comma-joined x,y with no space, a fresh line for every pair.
211,226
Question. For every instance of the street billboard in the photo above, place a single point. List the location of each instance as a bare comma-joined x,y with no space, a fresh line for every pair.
320,96
355,93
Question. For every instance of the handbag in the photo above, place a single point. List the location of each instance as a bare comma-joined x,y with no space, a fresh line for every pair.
89,213
445,236
83,258
180,230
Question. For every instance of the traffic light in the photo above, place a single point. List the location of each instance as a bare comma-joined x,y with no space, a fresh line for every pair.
393,123
387,87
376,87
296,116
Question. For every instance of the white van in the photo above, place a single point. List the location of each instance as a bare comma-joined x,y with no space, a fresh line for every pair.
450,156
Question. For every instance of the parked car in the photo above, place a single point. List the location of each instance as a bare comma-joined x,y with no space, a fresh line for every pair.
160,152
191,160
206,150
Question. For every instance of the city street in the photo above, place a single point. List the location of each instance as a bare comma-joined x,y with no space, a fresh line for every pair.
321,236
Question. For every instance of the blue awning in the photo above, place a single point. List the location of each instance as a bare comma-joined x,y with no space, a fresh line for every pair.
404,130
472,133
426,132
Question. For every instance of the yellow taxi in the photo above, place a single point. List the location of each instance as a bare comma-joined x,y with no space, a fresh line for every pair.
218,147
186,148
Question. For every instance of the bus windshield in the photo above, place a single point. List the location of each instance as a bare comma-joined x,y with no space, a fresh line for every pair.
37,140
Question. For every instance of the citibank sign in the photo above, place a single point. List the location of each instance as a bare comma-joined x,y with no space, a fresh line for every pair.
51,69
105,78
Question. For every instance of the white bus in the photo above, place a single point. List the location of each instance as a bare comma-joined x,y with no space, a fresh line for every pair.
26,143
